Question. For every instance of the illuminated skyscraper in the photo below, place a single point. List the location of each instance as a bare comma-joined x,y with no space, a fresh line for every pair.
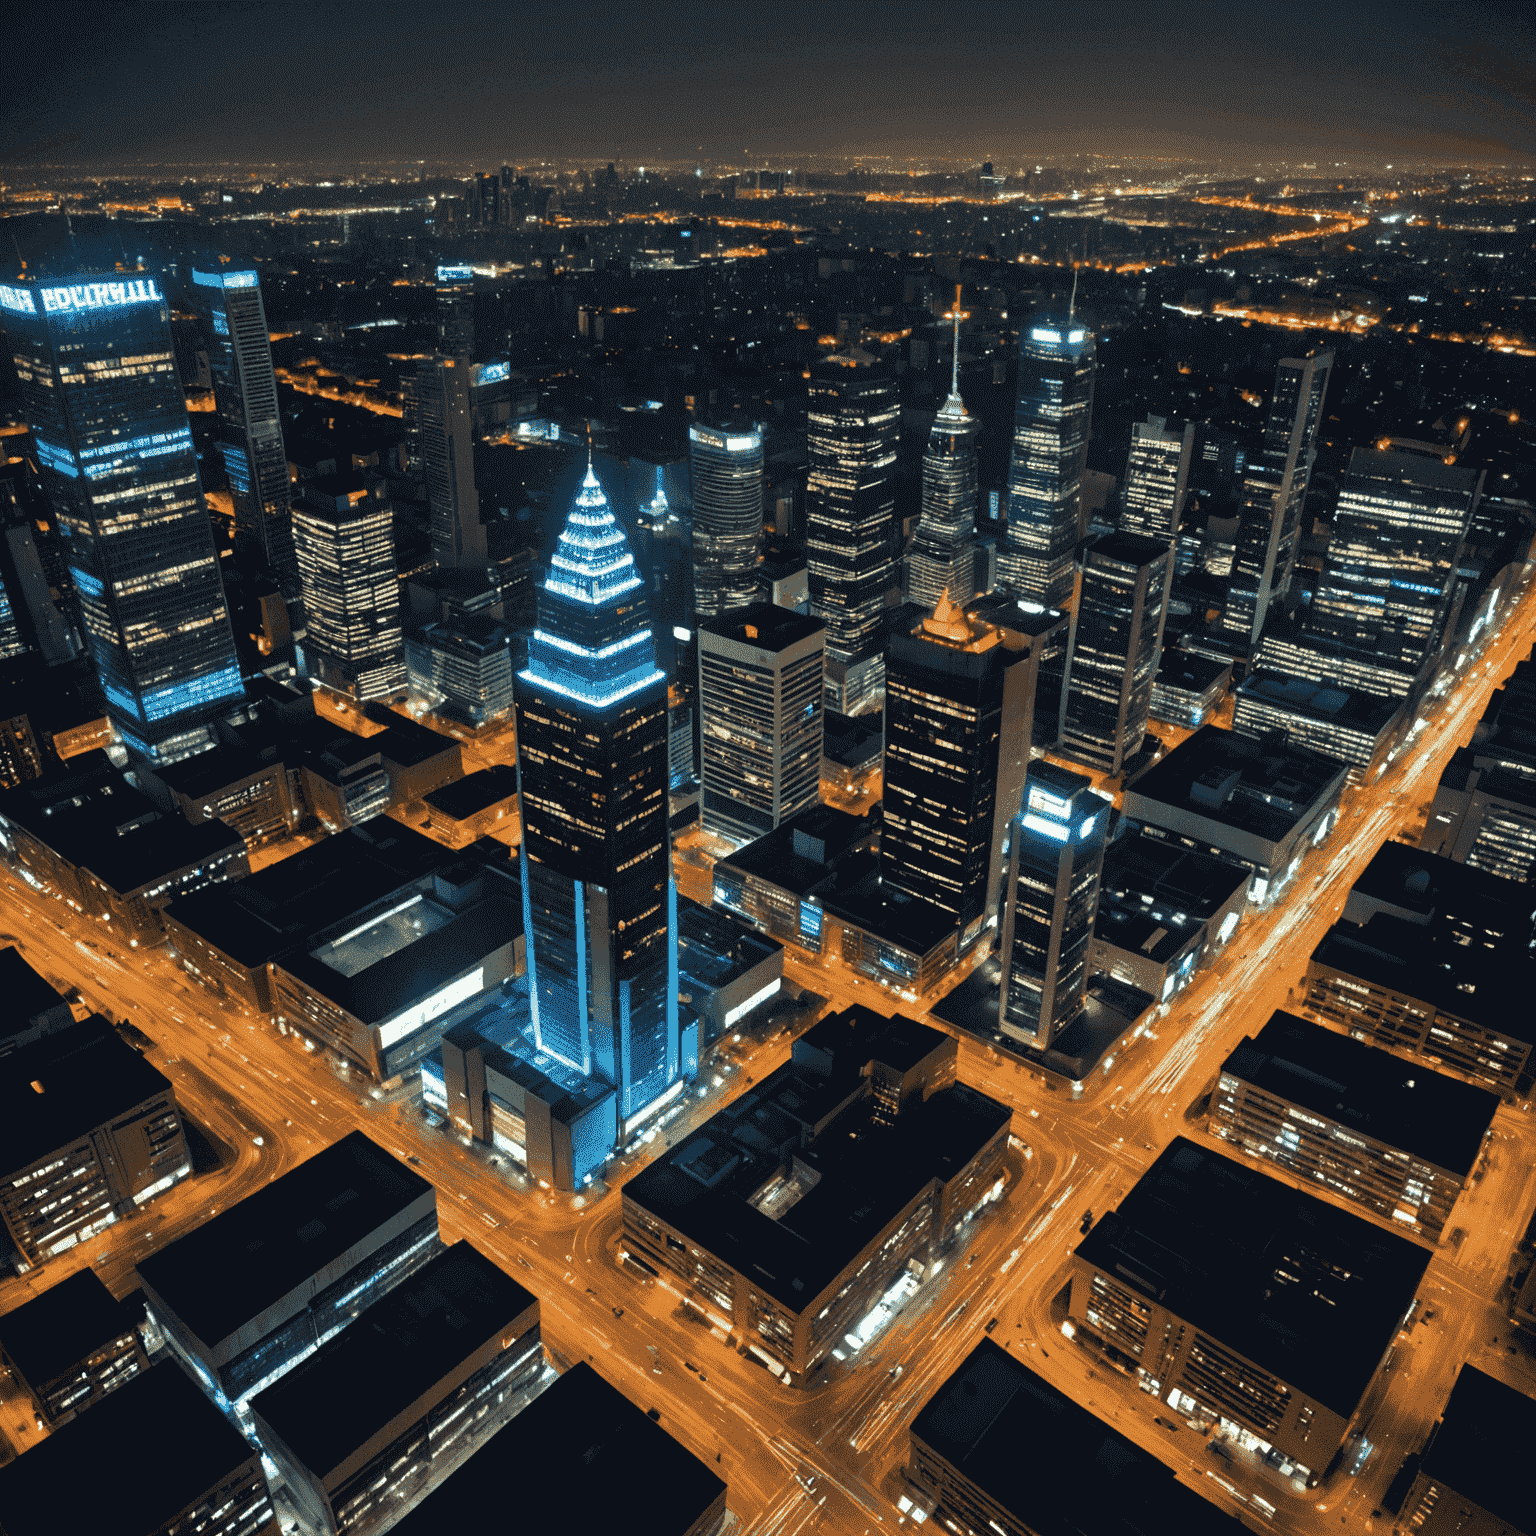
599,905
727,516
852,427
943,552
1055,862
1274,495
1156,479
102,397
346,554
251,429
1045,473
447,442
456,313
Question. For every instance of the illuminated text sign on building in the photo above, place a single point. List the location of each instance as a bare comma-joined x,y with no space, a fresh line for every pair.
455,274
224,279
17,300
82,298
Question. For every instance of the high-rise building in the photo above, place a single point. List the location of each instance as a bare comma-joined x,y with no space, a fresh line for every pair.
1156,479
599,905
100,388
1055,862
727,516
1115,649
760,697
456,313
344,538
447,443
959,705
1274,495
852,426
251,428
943,555
1050,450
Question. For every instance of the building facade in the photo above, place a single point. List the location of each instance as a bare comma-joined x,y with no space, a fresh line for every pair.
943,554
447,447
455,312
1156,479
727,463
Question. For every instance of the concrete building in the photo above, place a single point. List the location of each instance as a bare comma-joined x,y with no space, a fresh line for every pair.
1368,1127
1188,688
1350,724
33,1007
480,804
464,667
1245,1304
726,969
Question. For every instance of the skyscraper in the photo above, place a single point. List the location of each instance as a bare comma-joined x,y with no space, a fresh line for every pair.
727,516
852,427
251,428
1055,860
959,703
447,442
345,541
1156,479
1274,495
102,397
760,701
599,905
456,313
1045,473
943,552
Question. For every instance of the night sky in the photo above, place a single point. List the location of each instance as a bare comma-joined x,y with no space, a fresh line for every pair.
97,83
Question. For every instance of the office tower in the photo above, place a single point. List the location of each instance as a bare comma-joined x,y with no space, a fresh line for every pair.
11,642
1390,575
599,906
1045,473
1156,479
1274,495
943,555
114,446
447,443
456,313
1054,863
251,429
852,426
959,702
727,516
464,665
1115,650
760,697
345,543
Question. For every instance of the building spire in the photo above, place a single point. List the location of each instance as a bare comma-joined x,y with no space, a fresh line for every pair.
1072,302
954,375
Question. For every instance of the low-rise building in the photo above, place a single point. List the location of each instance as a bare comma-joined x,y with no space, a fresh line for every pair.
89,1132
416,758
818,1192
1374,1130
464,668
1485,815
1354,726
33,1007
1188,688
251,795
478,805
726,969
1245,1304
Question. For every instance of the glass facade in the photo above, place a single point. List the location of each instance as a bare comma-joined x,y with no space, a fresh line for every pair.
599,905
1156,479
1045,473
943,556
727,516
456,312
446,441
102,397
245,392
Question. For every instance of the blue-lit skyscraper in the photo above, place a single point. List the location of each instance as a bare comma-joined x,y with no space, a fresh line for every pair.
110,423
1045,473
727,516
599,905
251,428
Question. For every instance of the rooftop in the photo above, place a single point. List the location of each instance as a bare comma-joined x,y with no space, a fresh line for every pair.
1177,879
1480,1447
801,854
1305,1290
26,993
764,626
713,948
55,1331
475,792
1189,672
1353,708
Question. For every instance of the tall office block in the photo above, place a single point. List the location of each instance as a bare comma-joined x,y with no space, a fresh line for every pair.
852,427
1274,495
760,701
727,516
599,905
251,428
943,555
99,384
1045,474
345,542
456,313
1115,650
1156,479
1055,862
447,443
959,702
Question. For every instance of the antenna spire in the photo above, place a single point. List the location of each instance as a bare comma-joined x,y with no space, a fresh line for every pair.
954,375
1072,302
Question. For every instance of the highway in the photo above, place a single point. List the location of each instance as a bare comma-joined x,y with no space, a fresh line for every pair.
829,1459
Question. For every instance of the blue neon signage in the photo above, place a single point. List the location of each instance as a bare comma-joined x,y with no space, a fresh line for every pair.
56,458
455,274
83,298
18,300
491,373
224,279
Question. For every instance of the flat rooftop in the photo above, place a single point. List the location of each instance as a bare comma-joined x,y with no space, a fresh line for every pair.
714,948
1189,672
26,993
1435,1118
908,922
129,1466
1175,878
51,1333
1482,1446
773,857
392,1356
1421,886
1099,1482
587,1454
383,934
771,627
1332,703
223,1275
475,792
1307,1291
